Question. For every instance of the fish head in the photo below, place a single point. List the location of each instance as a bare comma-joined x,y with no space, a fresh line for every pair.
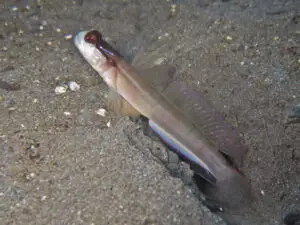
95,50
86,43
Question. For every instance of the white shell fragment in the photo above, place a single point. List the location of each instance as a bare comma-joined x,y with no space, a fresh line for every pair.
67,113
159,61
108,124
68,36
101,112
228,38
73,86
14,8
60,90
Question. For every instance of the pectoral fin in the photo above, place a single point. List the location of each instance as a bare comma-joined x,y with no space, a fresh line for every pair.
157,76
119,106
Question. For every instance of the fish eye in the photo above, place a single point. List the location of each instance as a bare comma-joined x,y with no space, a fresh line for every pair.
91,38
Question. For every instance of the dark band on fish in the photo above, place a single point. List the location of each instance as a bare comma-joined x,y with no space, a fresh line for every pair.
95,37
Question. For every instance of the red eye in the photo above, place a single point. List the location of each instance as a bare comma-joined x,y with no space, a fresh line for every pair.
91,38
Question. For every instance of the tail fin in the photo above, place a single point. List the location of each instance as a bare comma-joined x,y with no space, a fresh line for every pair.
232,191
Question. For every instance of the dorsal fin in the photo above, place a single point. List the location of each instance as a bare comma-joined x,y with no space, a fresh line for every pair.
209,123
159,76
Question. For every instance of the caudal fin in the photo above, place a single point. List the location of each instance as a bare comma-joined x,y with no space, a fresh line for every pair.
232,191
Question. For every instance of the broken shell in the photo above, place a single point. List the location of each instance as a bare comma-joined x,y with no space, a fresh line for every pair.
60,90
228,38
68,36
159,61
101,112
67,113
108,124
73,86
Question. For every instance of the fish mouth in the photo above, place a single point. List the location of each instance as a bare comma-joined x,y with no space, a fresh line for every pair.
79,38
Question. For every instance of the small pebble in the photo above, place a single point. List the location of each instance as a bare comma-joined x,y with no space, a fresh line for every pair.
35,100
268,80
1,194
58,30
49,43
43,198
41,28
108,124
228,38
33,152
27,7
73,86
14,8
68,36
32,175
37,49
60,90
159,61
44,23
21,32
4,48
67,113
242,63
101,112
276,38
262,192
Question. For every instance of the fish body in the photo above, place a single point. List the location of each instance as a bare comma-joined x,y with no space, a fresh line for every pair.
176,130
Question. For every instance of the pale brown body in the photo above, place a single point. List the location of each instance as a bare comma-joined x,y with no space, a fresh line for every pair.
140,97
152,105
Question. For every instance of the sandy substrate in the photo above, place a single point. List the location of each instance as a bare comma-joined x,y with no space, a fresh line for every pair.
60,162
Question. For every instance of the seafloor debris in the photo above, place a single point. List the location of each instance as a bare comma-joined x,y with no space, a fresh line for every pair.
295,112
73,86
101,112
60,90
